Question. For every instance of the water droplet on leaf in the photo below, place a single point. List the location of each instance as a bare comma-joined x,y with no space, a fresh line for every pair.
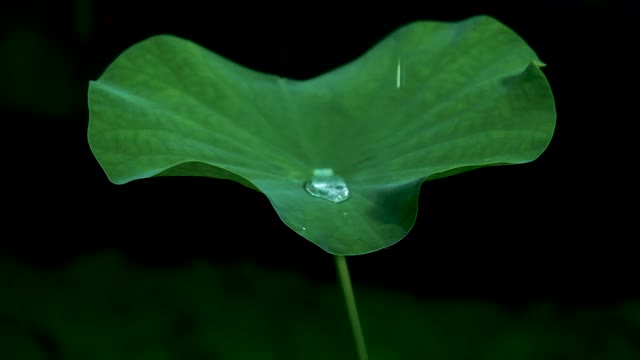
326,185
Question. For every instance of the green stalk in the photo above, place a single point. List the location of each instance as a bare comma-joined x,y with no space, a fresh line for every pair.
345,281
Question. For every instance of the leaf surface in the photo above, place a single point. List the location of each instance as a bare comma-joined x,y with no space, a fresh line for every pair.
430,100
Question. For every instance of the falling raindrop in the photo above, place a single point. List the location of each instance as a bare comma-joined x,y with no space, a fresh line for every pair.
400,73
326,185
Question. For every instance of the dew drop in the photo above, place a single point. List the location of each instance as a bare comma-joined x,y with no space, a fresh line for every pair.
326,185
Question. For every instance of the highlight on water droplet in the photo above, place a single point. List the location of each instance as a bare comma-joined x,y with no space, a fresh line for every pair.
326,185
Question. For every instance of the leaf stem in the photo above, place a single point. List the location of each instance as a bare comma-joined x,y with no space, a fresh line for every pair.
345,281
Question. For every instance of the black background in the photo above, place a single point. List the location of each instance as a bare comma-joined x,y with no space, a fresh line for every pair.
552,229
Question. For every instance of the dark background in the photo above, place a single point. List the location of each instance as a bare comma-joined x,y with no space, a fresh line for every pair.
550,230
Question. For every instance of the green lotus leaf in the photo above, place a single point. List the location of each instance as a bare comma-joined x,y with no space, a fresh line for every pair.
430,100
